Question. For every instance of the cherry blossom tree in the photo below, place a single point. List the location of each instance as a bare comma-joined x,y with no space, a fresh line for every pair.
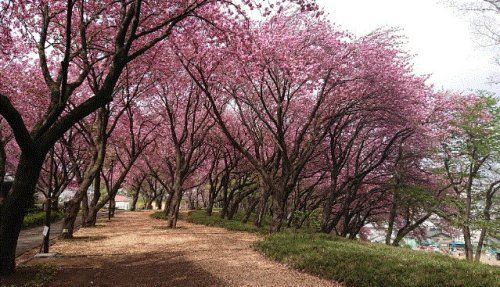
84,37
183,109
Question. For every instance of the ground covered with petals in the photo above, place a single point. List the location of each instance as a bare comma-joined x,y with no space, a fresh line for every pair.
136,250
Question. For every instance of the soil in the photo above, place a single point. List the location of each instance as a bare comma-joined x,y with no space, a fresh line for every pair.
135,250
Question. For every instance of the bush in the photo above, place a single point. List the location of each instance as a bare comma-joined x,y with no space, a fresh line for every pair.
37,218
158,215
362,264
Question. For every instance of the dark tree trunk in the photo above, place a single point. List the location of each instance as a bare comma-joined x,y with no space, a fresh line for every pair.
192,204
55,204
232,211
326,226
236,203
85,208
225,202
159,202
71,209
173,210
249,211
211,201
301,222
469,252
91,218
149,204
264,196
392,217
398,238
135,198
14,208
112,207
480,243
175,200
4,189
168,202
210,207
279,213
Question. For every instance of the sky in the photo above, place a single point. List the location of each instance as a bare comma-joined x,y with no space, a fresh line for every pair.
440,37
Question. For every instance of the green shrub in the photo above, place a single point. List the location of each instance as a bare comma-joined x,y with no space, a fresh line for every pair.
37,218
362,264
159,215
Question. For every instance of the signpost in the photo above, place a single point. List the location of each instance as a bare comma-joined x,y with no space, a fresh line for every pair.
46,229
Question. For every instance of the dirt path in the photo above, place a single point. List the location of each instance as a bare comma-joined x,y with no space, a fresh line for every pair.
135,250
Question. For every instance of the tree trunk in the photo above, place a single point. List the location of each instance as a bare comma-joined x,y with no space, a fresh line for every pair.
191,203
469,253
4,191
135,198
326,226
72,207
168,202
149,203
249,211
301,222
85,208
210,207
91,218
392,217
175,203
55,204
480,243
159,202
232,211
236,204
487,217
279,212
211,201
14,208
112,207
398,238
264,196
225,201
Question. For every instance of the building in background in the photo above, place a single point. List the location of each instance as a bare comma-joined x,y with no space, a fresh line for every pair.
122,202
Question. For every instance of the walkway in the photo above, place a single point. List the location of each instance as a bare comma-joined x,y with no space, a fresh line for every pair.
32,237
135,250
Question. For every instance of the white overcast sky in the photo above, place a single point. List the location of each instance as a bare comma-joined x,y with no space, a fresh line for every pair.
441,38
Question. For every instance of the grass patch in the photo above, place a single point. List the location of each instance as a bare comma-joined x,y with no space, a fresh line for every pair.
30,276
162,216
235,224
45,273
200,217
362,264
158,215
356,263
37,218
